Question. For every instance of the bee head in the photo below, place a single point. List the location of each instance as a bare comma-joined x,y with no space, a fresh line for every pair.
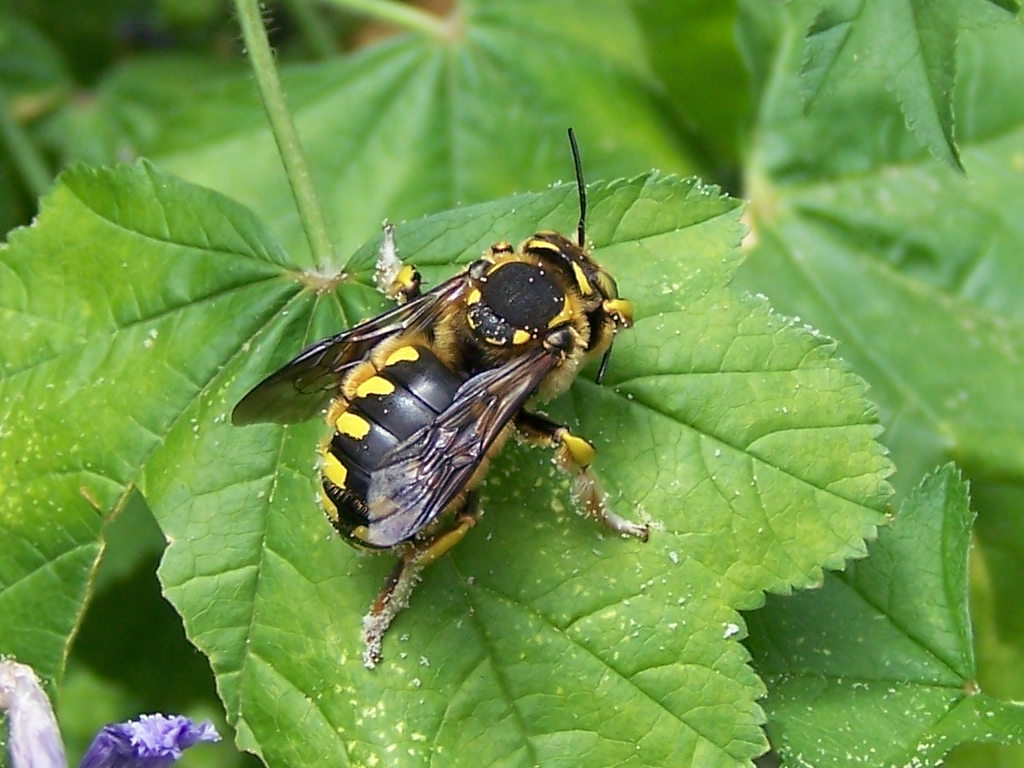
515,300
549,282
518,297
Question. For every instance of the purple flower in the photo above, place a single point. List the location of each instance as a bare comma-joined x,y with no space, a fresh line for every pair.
33,736
152,741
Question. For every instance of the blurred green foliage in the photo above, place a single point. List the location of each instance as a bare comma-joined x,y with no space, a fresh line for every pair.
880,147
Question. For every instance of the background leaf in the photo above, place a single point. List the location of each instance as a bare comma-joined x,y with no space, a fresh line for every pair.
877,667
415,125
602,624
852,228
914,269
911,44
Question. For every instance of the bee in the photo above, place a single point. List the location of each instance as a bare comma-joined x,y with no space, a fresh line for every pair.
419,398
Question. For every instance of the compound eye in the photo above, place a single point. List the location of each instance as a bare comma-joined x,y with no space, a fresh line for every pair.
523,295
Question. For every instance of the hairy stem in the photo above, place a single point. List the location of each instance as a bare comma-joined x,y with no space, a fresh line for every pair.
262,60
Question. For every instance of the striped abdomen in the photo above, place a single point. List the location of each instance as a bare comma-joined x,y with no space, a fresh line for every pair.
407,393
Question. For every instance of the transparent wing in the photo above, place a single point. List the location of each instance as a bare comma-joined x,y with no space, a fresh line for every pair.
419,477
302,388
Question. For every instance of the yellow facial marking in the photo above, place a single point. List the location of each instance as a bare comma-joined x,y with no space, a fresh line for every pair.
375,385
496,341
520,336
334,470
581,280
564,316
353,426
402,355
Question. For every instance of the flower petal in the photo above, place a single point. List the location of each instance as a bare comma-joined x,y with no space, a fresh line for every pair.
152,741
34,737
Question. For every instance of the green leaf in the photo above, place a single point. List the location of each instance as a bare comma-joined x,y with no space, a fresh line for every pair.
108,678
32,69
703,114
877,667
911,44
913,268
413,125
125,110
996,611
81,393
142,308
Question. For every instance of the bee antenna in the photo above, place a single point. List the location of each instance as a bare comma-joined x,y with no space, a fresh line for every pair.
581,186
604,362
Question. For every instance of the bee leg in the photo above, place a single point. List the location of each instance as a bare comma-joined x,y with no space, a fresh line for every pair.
399,282
575,455
394,595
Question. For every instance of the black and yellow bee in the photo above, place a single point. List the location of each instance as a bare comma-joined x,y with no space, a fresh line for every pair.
420,397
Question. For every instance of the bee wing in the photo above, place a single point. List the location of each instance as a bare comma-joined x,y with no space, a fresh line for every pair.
301,388
419,478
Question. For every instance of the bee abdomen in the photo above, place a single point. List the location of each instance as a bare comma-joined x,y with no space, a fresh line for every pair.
407,393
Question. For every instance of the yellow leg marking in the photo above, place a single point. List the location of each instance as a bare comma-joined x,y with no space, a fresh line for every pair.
334,470
394,595
445,541
375,385
575,455
621,310
406,276
404,285
402,355
353,426
580,451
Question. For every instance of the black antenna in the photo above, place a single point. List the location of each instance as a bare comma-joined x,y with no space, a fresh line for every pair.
581,186
604,362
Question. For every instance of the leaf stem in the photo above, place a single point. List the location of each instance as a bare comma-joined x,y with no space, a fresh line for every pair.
405,16
262,59
23,151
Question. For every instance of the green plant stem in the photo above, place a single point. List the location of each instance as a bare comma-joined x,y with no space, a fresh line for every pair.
287,138
23,151
400,14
